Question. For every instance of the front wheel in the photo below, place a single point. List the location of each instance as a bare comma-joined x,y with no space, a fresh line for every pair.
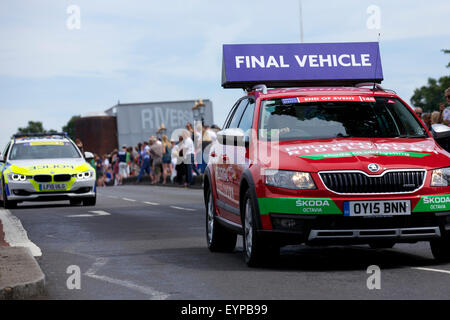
218,238
90,201
7,204
257,252
441,248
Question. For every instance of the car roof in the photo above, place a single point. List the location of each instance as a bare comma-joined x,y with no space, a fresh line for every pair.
40,139
312,91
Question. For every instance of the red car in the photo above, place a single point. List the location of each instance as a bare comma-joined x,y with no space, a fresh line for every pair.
326,165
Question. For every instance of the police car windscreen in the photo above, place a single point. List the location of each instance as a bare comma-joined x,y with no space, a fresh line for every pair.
43,150
292,119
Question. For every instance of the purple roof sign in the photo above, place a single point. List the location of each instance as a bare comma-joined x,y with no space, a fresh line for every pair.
282,65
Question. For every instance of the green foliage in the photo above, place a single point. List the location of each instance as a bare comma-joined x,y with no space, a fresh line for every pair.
430,97
70,127
34,127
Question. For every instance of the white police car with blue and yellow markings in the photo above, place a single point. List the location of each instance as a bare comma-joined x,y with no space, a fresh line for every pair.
47,167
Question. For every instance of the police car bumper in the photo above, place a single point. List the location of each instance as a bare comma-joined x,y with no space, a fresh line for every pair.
329,230
25,191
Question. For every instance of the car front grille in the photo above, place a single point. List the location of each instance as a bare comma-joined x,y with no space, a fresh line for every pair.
43,178
62,177
357,182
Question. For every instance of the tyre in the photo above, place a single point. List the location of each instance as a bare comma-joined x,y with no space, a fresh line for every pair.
383,244
90,201
440,248
257,252
75,202
218,238
7,204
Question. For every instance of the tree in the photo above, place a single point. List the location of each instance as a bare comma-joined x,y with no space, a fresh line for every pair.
69,128
431,96
34,127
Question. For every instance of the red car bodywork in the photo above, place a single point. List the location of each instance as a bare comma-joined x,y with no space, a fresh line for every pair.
228,181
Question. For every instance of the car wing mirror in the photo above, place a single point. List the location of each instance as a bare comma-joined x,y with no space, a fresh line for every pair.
88,155
440,131
233,137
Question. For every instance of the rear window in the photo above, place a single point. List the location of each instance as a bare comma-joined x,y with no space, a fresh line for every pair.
385,118
43,150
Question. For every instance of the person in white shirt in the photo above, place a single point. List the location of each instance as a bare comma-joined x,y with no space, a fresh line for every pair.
188,155
446,110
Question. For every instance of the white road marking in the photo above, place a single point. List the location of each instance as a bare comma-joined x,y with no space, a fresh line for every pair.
151,203
15,234
113,197
127,199
180,208
94,214
101,213
434,270
100,262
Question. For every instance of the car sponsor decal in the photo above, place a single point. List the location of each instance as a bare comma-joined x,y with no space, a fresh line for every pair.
298,206
433,203
365,152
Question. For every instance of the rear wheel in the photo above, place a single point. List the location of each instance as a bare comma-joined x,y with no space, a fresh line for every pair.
257,252
7,204
218,238
441,248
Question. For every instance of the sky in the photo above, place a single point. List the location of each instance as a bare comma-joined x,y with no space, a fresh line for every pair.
144,51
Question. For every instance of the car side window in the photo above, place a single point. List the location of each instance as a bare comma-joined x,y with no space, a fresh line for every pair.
247,118
5,152
238,114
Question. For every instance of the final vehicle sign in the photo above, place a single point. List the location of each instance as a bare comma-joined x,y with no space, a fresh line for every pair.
279,65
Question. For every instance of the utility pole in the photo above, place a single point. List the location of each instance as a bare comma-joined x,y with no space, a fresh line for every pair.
301,20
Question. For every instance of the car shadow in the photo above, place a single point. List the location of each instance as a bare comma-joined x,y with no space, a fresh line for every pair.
295,258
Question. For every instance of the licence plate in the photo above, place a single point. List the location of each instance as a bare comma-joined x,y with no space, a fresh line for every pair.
377,208
52,187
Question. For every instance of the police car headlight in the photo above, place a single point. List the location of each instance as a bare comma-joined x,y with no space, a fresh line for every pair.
289,179
441,177
17,177
84,175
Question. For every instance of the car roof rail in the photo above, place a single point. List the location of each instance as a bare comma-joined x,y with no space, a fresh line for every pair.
371,84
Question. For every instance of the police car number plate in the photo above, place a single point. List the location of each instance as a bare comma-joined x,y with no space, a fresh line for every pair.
52,187
377,208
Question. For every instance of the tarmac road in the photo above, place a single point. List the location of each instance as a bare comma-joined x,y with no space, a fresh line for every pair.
147,242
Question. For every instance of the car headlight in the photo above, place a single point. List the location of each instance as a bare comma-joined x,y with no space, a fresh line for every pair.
289,179
84,175
17,177
441,177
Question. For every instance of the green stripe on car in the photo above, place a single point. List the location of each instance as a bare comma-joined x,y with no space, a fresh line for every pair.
298,206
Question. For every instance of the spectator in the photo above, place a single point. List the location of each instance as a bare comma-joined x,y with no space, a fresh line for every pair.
123,165
156,154
418,111
435,117
426,118
167,158
79,145
446,110
177,154
145,166
188,156
99,171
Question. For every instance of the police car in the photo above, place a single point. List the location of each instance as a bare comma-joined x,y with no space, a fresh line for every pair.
45,167
334,162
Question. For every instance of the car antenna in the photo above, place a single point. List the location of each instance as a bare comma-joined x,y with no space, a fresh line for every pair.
376,62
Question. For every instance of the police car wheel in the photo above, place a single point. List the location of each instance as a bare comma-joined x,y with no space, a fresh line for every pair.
441,248
257,252
7,204
90,201
218,238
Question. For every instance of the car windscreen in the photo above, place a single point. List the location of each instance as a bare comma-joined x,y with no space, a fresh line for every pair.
385,118
43,150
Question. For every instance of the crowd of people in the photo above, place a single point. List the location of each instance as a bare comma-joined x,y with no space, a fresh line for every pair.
164,160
